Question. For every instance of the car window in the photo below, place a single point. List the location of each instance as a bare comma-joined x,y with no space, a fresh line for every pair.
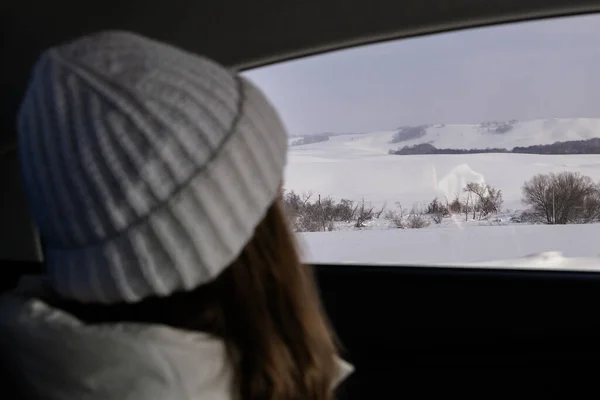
466,147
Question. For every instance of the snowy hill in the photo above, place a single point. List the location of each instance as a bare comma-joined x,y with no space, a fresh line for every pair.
359,166
508,134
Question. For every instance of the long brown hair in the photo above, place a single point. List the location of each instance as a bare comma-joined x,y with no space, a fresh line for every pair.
265,307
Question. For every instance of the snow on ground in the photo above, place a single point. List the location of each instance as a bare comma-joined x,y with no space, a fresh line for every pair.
359,166
355,173
450,245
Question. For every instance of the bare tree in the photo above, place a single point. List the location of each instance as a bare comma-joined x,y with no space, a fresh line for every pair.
476,192
364,213
564,198
466,206
485,199
492,202
538,195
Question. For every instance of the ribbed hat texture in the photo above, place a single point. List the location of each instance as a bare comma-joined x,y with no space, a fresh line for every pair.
147,168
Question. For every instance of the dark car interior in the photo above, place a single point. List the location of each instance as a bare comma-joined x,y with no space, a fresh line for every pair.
410,331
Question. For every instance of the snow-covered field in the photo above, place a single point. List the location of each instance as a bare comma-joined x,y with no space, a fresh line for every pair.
359,166
448,245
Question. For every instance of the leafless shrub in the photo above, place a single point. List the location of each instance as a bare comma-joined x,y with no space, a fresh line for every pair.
307,222
364,212
345,210
325,212
295,207
309,213
380,211
417,218
437,210
467,206
482,200
563,198
396,216
454,206
554,198
591,207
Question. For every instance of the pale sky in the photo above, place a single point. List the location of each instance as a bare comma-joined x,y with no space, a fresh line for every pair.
531,70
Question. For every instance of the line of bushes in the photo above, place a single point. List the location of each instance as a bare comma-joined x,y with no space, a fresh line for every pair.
309,213
563,198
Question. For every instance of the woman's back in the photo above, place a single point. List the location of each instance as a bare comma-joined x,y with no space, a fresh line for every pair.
54,356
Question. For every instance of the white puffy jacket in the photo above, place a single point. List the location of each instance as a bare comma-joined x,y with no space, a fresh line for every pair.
61,358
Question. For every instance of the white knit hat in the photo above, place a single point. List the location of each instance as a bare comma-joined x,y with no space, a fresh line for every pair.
147,168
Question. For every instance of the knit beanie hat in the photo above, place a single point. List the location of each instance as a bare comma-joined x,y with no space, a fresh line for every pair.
147,168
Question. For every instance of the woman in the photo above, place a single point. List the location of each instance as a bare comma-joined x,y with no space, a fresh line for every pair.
154,176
